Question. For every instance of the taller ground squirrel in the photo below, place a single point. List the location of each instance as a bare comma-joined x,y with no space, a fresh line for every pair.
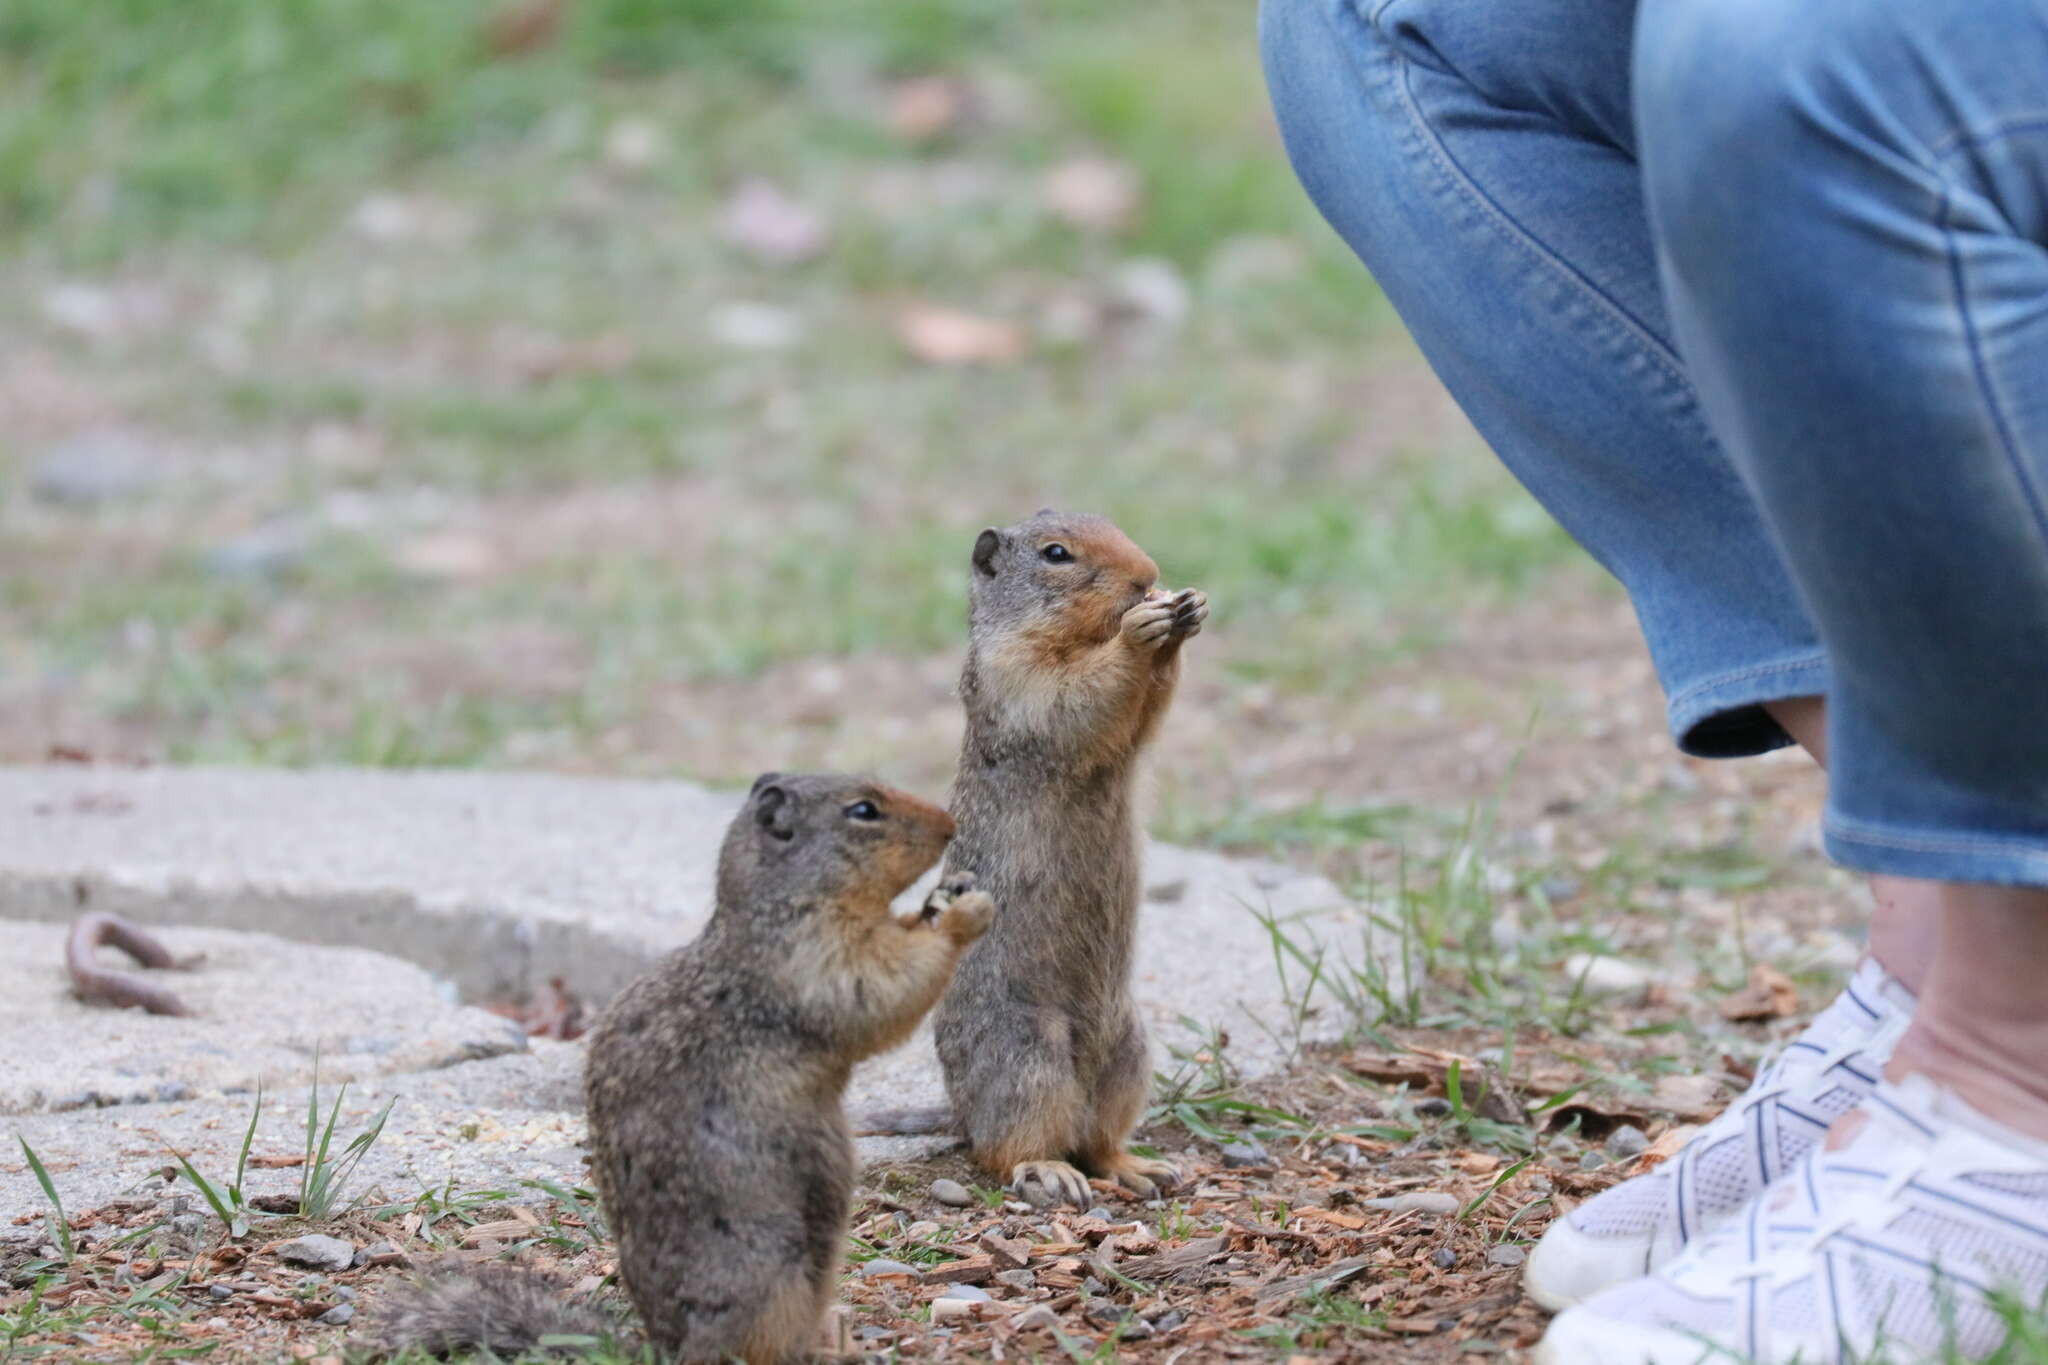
1072,659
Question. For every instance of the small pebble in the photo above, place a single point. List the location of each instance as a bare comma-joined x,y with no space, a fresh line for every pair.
1592,1161
220,1291
318,1252
266,552
972,1293
374,1250
1017,1206
1627,1141
952,1193
1017,1279
1421,1201
1246,1153
951,1310
1595,974
1100,1212
1038,1315
883,1266
1506,1255
920,1230
1443,1258
338,1315
89,470
344,1293
1169,1320
1091,1285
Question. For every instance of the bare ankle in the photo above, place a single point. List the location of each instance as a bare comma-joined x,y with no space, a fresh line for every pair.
1905,928
1981,1028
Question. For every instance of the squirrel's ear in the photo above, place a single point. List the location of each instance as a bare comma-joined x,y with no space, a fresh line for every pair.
985,546
764,780
775,811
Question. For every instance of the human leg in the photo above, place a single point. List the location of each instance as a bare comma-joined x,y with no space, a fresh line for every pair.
1852,198
1481,161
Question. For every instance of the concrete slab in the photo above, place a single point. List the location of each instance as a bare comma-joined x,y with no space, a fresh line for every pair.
262,1009
495,883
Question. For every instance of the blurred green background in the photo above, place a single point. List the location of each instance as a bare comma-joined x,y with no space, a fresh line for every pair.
617,385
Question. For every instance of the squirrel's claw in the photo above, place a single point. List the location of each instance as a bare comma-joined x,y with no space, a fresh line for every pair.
1055,1180
968,917
945,893
1146,1177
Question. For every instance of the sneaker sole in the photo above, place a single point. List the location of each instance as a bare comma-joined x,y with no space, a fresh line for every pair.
1579,1338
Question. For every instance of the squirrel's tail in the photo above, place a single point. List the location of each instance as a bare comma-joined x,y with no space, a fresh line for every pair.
903,1122
461,1308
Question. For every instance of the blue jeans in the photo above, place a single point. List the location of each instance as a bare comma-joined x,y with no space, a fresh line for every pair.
1753,296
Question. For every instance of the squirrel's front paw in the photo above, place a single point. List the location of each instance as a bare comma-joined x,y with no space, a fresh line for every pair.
959,884
1190,609
968,917
1150,624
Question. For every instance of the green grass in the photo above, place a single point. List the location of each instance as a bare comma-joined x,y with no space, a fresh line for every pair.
1321,1321
219,151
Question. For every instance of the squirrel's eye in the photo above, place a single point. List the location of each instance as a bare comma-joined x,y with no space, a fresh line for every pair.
863,810
1057,553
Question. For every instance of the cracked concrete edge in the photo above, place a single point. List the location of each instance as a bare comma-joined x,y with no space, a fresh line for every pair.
487,952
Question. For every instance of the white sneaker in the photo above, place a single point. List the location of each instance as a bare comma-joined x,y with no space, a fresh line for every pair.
1886,1249
1638,1225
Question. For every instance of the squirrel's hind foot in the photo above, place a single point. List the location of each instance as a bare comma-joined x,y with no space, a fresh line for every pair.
1145,1177
1054,1180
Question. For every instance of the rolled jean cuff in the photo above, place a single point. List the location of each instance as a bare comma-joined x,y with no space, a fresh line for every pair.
1933,855
1724,717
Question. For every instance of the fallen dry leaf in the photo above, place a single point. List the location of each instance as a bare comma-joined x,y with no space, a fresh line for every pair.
1092,192
946,336
447,555
1687,1097
552,1013
1770,994
524,27
924,107
1666,1147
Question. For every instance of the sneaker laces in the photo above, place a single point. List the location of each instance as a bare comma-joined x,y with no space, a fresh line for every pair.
1777,1120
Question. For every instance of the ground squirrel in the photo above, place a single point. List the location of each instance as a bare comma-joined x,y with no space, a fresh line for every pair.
1072,659
719,1147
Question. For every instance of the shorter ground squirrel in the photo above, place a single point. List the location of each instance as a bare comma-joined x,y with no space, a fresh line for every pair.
1072,659
714,1082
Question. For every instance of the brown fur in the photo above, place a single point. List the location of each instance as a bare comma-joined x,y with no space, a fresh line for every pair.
717,1139
1071,664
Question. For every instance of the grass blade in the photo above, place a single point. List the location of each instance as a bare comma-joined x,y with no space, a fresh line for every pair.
60,1225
